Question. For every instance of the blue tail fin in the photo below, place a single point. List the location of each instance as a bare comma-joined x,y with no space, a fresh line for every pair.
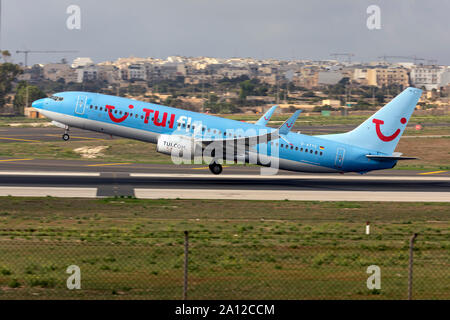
289,123
382,131
266,117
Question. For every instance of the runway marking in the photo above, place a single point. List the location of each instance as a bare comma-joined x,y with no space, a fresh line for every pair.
78,137
11,160
202,168
107,164
17,139
432,172
303,195
288,177
48,191
49,173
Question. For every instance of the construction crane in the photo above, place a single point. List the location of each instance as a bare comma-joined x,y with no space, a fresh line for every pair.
414,58
348,55
26,52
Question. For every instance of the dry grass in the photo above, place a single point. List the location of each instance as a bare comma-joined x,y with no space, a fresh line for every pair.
432,152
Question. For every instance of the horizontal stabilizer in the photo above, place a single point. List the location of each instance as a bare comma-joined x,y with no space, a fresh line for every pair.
266,117
289,124
388,158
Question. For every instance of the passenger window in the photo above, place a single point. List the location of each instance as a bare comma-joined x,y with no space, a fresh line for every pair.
310,151
296,148
281,145
315,152
306,150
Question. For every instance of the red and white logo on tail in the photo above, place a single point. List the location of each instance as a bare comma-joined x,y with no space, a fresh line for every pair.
381,136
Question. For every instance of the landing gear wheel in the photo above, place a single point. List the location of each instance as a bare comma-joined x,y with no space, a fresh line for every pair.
215,168
65,137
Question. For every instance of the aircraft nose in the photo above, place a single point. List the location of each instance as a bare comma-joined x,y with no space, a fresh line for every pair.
38,104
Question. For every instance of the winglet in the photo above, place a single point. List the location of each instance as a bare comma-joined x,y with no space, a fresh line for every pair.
289,123
266,117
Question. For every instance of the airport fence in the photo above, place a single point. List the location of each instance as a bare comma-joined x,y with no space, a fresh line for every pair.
201,265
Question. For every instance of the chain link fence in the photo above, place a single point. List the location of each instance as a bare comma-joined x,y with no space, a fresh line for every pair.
202,265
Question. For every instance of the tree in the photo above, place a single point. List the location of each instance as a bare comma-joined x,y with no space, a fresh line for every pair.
8,72
24,91
6,55
247,89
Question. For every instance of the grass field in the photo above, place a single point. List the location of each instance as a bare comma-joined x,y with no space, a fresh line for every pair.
130,248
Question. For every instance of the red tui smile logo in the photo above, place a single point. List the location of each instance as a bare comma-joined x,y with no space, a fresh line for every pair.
113,118
380,135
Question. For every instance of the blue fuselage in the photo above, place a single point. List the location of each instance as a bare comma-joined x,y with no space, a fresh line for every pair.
147,122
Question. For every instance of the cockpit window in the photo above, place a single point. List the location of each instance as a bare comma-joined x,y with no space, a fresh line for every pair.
57,98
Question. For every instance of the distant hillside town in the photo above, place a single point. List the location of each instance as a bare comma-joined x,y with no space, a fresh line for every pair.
239,85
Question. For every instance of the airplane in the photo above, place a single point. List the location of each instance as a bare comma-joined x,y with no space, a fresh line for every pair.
368,147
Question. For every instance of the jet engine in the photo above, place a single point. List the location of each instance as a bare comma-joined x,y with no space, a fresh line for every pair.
178,146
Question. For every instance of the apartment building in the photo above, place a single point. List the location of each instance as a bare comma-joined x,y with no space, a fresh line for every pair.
387,76
426,76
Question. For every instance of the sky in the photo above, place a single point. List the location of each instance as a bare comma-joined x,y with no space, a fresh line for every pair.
281,29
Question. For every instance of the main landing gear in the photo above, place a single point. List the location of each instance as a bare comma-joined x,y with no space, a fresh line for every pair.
215,168
66,136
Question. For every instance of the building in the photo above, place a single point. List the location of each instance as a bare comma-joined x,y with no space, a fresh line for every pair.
82,62
329,77
387,76
360,75
108,73
426,76
332,103
56,71
444,78
87,73
137,71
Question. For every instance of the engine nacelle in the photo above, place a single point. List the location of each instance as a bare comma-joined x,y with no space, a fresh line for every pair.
178,146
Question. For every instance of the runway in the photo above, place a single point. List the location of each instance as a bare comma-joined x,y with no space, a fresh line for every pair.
232,186
23,176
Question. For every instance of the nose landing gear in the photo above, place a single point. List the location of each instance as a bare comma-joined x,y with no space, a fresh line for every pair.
215,168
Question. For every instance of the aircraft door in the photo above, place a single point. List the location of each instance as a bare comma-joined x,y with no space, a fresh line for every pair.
81,104
339,162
